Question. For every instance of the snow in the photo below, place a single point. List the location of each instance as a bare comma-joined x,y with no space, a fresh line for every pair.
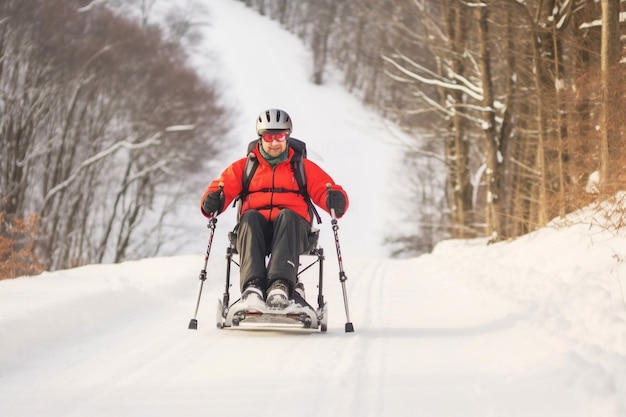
262,66
533,327
593,183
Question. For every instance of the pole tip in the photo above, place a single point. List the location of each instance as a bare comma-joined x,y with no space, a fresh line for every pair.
193,324
349,328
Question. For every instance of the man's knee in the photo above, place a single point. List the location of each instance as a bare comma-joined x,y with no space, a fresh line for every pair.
290,217
251,216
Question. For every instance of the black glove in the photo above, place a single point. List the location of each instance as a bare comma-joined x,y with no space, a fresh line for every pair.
214,202
337,201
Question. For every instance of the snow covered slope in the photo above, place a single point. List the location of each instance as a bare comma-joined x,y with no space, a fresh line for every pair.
261,66
536,327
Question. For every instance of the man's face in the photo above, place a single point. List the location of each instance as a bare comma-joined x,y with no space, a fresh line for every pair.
274,143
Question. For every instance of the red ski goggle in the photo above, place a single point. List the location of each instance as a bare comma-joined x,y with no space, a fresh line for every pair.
271,137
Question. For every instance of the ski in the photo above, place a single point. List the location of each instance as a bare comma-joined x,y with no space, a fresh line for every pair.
298,315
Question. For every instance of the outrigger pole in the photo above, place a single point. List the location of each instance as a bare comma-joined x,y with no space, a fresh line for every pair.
193,323
342,275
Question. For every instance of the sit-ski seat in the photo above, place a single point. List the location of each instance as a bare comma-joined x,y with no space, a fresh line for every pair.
300,315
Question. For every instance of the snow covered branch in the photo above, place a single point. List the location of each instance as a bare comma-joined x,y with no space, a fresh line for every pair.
432,79
152,141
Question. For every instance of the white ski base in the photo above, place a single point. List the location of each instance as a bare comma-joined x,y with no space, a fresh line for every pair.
299,315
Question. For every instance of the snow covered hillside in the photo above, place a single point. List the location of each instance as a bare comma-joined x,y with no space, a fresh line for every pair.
536,327
530,328
261,66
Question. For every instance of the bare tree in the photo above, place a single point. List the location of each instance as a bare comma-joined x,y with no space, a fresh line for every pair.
91,99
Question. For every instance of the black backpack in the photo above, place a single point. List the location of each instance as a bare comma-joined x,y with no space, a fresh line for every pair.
299,148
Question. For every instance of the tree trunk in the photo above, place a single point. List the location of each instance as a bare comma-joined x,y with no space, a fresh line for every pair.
492,145
609,141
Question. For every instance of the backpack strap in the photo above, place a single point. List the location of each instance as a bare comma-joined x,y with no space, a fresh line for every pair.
297,165
248,172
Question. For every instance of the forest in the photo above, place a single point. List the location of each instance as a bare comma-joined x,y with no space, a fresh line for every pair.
519,104
100,118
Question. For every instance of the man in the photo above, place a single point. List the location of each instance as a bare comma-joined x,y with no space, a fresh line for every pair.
275,217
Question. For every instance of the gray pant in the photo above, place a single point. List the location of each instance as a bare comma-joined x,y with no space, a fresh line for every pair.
285,239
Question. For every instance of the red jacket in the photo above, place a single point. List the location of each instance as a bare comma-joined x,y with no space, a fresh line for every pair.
270,202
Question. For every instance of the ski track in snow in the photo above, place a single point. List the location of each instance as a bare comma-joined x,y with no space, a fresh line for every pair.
424,334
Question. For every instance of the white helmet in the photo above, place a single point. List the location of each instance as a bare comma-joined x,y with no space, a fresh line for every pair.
273,120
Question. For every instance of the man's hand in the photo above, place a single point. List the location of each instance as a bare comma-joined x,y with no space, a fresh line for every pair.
337,201
213,203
